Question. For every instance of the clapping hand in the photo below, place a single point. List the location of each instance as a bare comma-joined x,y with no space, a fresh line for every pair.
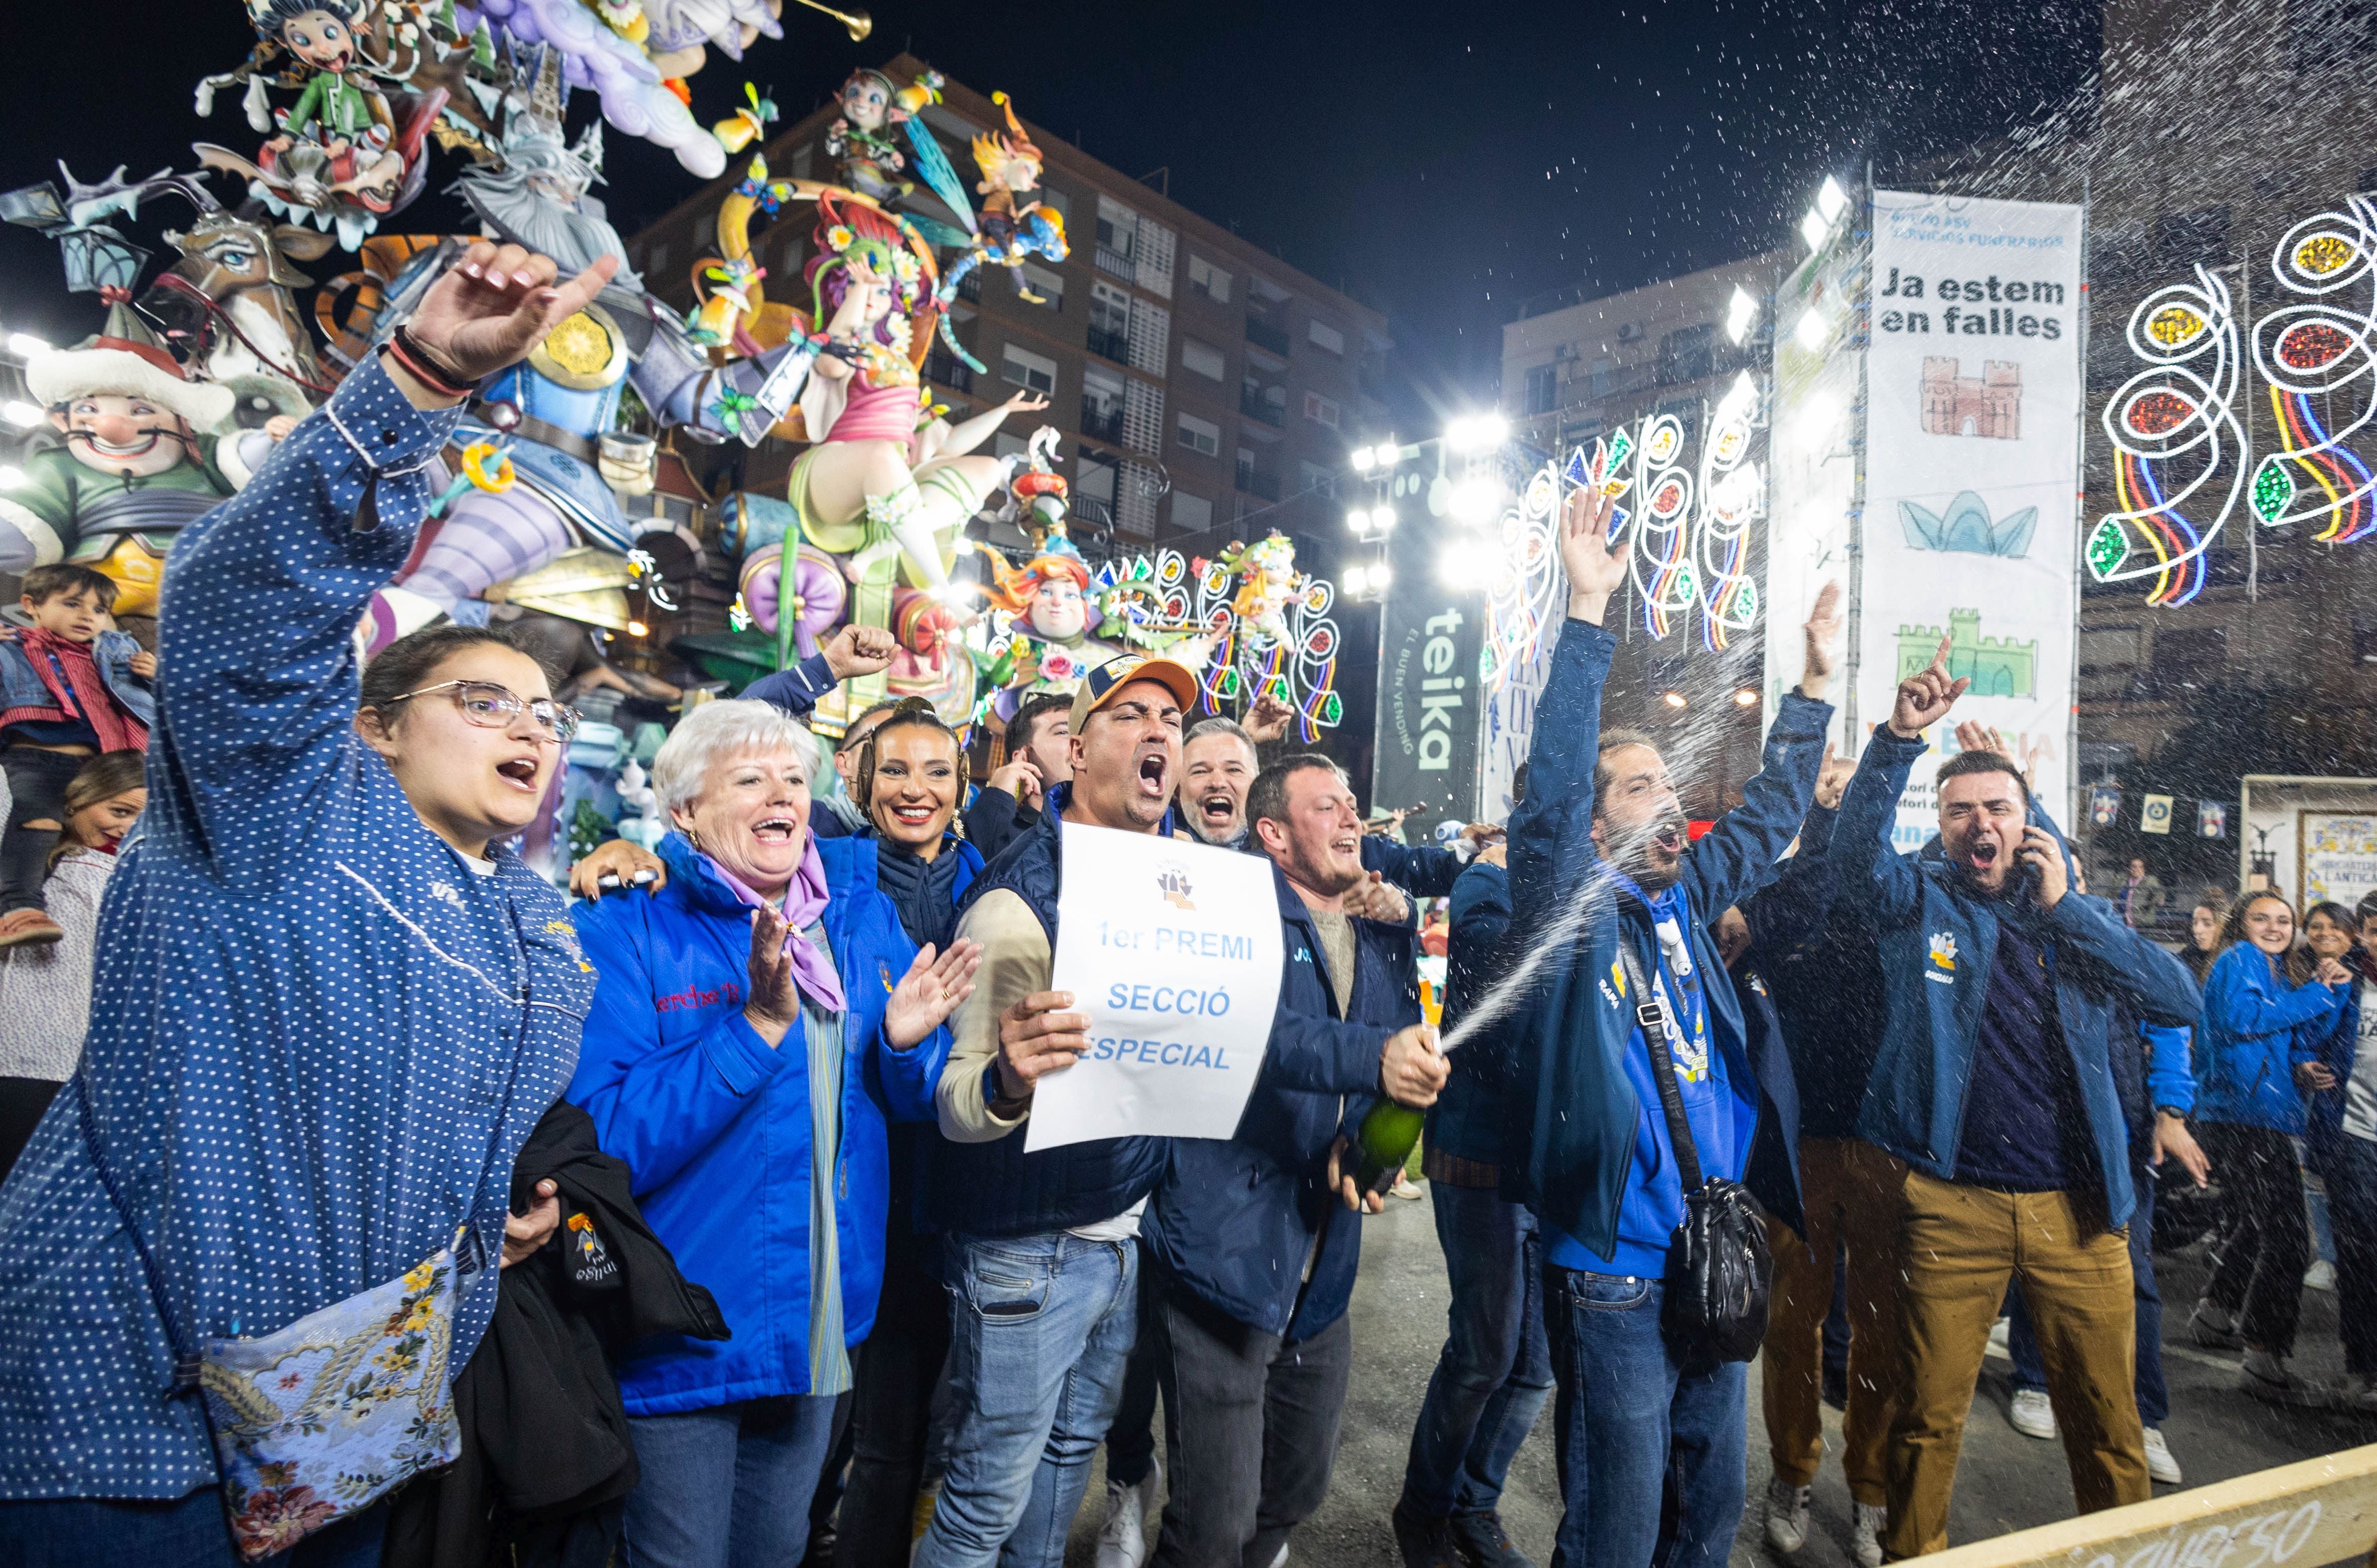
773,1001
1924,697
1596,564
929,993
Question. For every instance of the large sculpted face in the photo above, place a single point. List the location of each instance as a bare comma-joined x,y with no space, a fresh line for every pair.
322,39
122,435
1058,611
865,103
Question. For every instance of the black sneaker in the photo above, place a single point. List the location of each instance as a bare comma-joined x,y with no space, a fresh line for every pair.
1425,1543
1484,1543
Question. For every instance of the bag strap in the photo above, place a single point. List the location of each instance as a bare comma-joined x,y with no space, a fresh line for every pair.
186,1360
1658,1035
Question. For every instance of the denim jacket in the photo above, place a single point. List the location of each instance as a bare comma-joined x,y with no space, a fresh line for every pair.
20,688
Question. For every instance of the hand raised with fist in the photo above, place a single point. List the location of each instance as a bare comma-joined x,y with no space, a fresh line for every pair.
1924,697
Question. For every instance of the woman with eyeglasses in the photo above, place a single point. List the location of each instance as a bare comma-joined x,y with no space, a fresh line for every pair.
330,1008
759,1020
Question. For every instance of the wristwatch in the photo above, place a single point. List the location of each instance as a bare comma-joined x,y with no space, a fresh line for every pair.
2170,1111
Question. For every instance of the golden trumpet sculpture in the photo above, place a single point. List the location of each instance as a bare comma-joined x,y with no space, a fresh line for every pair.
859,23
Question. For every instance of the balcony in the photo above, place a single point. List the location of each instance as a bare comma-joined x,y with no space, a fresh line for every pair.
1114,264
949,370
1255,406
1101,425
1263,484
1108,343
1262,334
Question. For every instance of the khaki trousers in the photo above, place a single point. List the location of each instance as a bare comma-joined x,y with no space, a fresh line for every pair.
1958,1246
1849,1191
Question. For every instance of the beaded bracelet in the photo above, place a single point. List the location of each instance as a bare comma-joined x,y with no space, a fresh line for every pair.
407,351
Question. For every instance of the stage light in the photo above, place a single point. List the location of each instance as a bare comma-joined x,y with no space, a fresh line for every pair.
24,345
1386,454
1812,330
1383,518
10,476
1477,431
1741,316
1814,230
637,628
1356,580
1380,577
1672,698
1832,201
22,414
1357,519
1361,459
1475,501
1746,697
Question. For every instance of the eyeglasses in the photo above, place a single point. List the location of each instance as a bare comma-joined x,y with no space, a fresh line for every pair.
495,707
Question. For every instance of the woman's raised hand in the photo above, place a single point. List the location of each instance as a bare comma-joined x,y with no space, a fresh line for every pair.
496,304
929,993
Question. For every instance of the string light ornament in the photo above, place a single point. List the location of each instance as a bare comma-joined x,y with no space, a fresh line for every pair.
2320,349
1265,628
2175,435
1733,496
1525,576
1664,577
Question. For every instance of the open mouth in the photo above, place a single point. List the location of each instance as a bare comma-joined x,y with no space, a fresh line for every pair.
1985,853
1217,808
124,449
1154,774
1669,839
775,830
1348,843
520,770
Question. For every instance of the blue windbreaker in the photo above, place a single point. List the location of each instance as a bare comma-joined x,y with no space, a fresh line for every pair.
715,1125
2256,1028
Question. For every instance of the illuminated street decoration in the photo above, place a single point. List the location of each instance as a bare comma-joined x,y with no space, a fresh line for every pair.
1733,496
1526,571
2319,350
2175,436
1665,576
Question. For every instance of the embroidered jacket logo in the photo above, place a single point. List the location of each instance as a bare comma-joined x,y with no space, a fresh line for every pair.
1944,953
1172,880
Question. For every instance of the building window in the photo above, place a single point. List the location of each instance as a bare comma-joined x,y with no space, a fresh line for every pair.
1093,477
1024,369
1102,401
1110,323
1543,388
1192,514
1316,480
1118,243
1049,286
1204,358
1324,336
1200,434
1601,371
1687,353
1209,280
1321,410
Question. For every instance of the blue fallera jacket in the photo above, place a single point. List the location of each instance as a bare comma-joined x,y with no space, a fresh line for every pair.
318,1037
1937,937
2256,1029
1575,1115
715,1125
1235,1219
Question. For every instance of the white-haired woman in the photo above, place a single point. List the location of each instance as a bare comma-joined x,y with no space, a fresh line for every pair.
757,1023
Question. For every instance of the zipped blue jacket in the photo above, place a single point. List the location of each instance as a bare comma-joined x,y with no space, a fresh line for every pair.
2256,1029
318,1037
111,653
1234,1219
1575,1117
715,1125
2337,1045
1466,1120
1937,935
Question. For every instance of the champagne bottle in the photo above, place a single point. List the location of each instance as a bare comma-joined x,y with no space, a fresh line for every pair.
1385,1141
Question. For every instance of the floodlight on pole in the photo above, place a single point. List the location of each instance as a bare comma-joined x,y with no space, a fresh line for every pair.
1832,201
1740,314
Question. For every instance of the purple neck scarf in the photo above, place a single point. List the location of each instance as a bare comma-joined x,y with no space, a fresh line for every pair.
803,906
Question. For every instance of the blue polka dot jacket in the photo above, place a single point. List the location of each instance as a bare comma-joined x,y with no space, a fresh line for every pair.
318,1035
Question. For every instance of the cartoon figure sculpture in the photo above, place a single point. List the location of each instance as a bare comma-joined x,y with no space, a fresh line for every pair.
135,466
871,104
1011,228
1049,646
1267,582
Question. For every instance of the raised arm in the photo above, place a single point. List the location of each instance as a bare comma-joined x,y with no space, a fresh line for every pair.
257,678
1861,838
1728,863
853,651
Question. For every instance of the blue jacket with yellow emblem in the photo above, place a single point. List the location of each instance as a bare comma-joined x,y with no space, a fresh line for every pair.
715,1124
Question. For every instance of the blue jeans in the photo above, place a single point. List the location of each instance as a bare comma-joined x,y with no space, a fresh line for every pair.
1654,1460
188,1532
2153,1393
728,1487
1040,1330
1496,1368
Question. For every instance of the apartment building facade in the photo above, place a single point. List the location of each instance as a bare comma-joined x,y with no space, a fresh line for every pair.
1204,388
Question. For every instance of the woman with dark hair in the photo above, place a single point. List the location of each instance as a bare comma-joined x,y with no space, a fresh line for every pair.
46,990
2248,1113
330,1008
2327,932
2202,940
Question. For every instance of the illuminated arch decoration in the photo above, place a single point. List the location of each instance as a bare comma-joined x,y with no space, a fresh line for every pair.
1733,496
2311,354
2175,435
1526,572
1166,603
1665,576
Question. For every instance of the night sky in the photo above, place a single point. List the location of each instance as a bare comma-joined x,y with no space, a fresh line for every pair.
1438,162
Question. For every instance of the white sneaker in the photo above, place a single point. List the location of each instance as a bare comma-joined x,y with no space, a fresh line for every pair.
1122,1543
1407,1190
1786,1515
2357,1394
1865,1535
1281,1561
2321,1275
2159,1464
2032,1414
1997,1332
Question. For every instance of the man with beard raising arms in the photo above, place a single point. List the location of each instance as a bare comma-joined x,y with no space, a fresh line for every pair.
1598,859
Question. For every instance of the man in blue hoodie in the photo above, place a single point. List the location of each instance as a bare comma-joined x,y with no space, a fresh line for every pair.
1599,863
1993,1084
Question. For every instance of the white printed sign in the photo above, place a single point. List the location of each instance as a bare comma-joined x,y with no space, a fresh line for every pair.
1172,952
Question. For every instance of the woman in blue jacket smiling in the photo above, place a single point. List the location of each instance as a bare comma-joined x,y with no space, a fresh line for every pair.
2250,1113
757,1023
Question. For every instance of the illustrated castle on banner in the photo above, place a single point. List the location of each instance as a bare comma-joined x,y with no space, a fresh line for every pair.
1956,404
1997,667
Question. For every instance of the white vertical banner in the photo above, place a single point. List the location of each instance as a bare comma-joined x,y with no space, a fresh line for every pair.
1813,467
1974,380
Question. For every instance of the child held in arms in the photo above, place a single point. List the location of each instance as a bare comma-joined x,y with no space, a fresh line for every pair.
71,688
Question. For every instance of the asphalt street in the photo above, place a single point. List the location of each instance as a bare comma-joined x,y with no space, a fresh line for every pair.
2007,1482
